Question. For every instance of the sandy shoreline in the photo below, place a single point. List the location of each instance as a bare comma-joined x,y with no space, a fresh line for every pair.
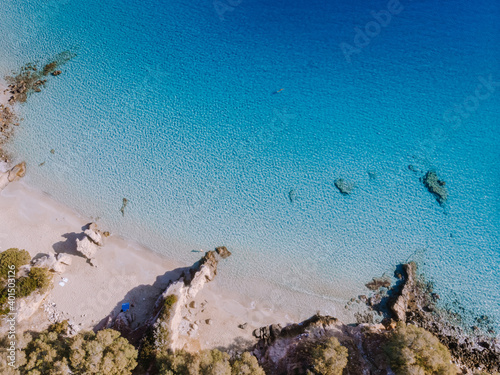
125,272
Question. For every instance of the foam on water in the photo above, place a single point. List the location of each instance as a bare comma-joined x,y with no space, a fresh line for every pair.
175,110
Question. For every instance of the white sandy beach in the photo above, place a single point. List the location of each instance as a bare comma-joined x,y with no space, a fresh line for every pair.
126,272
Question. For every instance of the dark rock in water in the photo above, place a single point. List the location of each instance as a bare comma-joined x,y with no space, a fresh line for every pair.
344,186
436,186
223,252
375,300
124,205
372,175
413,169
378,282
56,73
400,304
292,195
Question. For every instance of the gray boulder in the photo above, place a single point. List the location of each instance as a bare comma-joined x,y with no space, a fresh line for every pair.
345,187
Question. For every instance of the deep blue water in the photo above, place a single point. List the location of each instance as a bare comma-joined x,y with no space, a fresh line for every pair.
174,105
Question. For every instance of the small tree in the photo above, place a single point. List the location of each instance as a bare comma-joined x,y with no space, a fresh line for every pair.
39,278
45,354
247,364
329,357
413,351
53,353
104,353
207,362
11,257
214,362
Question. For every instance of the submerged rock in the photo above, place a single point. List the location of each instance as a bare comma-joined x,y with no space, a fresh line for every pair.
378,282
436,186
124,205
344,186
223,252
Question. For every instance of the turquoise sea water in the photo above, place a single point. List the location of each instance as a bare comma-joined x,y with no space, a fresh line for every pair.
173,105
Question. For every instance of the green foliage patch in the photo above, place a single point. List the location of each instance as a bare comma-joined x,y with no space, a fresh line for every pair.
414,351
104,353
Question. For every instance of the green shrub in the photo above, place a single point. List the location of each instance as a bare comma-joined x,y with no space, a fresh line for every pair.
60,328
328,357
247,364
207,362
161,332
214,362
170,300
413,351
39,278
44,354
104,353
11,257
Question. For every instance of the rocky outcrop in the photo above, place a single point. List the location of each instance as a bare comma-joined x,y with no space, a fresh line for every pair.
17,172
415,303
283,350
186,289
399,305
89,245
27,306
436,186
174,329
223,252
344,186
54,263
378,282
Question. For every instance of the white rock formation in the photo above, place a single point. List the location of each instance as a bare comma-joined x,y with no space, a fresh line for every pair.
50,261
17,172
64,259
94,234
86,247
185,294
89,245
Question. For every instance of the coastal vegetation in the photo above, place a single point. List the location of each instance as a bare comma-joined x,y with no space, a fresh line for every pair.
208,362
37,279
54,352
12,257
412,350
328,357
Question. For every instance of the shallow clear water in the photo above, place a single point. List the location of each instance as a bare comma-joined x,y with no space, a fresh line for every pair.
175,109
